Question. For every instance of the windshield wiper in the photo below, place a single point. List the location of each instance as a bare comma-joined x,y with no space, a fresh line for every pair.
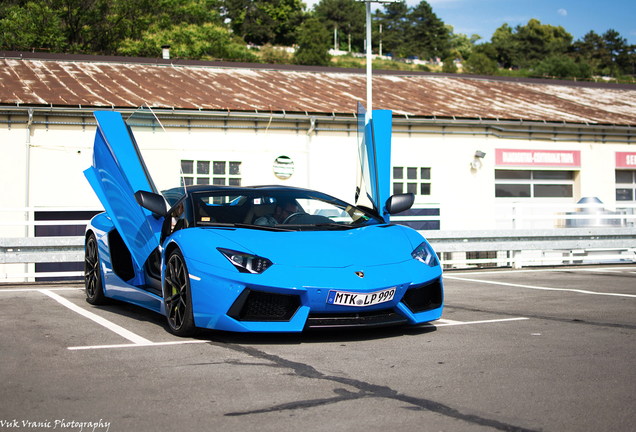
335,225
241,225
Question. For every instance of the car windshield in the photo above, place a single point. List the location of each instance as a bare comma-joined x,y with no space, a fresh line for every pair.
275,209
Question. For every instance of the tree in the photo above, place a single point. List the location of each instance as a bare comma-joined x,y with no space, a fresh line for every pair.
288,15
617,49
347,17
461,43
394,28
526,46
563,67
607,54
34,26
504,45
427,35
592,50
415,31
264,21
538,41
313,44
480,64
95,26
190,41
449,65
249,20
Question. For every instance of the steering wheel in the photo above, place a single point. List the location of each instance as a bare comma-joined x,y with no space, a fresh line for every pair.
293,215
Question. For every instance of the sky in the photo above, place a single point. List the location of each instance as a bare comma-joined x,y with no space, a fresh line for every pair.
577,17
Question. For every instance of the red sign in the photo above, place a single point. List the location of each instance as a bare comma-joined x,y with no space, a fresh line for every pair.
538,158
625,160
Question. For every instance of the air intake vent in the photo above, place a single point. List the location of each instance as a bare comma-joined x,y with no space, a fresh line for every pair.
422,298
381,318
263,306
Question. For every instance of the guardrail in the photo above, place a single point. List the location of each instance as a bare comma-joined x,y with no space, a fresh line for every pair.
518,247
573,244
556,247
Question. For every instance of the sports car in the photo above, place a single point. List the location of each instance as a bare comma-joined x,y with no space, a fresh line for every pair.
253,259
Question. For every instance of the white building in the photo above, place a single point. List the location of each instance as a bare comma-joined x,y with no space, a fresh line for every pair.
479,153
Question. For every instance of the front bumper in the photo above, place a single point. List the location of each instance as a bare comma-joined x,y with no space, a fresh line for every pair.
282,300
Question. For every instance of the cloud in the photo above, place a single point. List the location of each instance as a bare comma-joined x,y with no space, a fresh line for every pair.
562,12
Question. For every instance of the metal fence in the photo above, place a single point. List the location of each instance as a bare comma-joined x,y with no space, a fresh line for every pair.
600,242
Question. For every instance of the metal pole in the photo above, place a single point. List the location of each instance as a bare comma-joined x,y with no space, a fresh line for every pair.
369,69
335,39
26,181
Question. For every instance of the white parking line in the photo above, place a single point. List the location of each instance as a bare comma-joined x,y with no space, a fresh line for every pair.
551,270
99,320
183,342
541,288
447,321
443,322
139,341
37,289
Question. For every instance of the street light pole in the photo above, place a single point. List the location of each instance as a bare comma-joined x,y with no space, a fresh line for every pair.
369,49
369,65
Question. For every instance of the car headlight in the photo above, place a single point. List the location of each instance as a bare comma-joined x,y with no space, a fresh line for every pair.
425,254
246,263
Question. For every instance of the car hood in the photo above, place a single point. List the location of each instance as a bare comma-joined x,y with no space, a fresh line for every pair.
369,246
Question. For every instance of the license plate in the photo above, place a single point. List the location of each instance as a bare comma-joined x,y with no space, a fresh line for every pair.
356,299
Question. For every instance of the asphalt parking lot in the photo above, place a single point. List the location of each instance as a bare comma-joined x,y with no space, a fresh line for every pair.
516,350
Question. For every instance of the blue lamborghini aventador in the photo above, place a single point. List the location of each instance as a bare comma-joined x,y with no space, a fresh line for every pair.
261,258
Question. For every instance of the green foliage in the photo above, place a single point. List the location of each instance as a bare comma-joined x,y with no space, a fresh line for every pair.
519,73
348,17
413,31
427,35
348,62
487,49
220,29
275,55
33,26
95,26
449,65
204,42
504,46
389,65
592,50
607,54
394,26
461,44
480,64
313,44
563,67
526,46
264,21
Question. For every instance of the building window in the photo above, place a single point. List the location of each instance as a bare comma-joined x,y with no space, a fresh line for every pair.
534,184
625,185
412,179
223,173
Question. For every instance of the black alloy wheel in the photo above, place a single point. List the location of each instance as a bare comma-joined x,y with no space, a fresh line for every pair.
92,272
176,291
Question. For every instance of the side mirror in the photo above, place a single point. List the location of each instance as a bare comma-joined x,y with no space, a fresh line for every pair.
153,202
399,202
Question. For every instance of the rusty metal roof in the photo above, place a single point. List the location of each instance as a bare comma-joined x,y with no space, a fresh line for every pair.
92,82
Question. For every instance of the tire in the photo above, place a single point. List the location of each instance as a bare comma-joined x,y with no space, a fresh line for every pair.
92,273
177,297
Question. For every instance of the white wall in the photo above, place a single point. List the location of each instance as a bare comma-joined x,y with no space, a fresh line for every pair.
325,161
